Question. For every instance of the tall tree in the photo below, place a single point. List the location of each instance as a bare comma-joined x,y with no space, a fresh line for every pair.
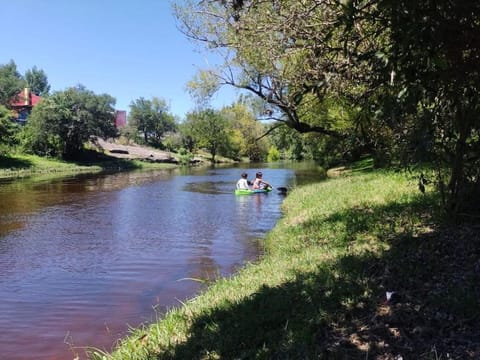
11,82
282,52
152,119
187,133
37,81
433,53
246,132
412,85
8,128
210,130
63,122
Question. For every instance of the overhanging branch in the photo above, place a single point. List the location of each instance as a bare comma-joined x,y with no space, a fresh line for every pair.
274,127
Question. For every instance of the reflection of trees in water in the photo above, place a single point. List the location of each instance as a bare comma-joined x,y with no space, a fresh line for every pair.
8,225
209,187
28,195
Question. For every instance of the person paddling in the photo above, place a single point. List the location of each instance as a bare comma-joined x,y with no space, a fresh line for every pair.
259,183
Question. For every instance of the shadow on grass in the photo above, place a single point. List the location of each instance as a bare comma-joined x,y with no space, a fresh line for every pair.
13,163
85,158
340,310
104,161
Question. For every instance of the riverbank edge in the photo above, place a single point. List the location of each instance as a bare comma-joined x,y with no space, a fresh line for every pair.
357,267
22,166
100,156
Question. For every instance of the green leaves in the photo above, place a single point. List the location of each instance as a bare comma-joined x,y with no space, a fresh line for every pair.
60,124
11,82
151,118
8,128
410,67
37,81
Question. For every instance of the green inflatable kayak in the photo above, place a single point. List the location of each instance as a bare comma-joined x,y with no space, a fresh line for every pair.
250,192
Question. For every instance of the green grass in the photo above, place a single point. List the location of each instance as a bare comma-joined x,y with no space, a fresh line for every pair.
28,165
22,165
320,289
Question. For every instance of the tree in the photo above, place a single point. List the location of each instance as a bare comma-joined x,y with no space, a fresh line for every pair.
246,138
412,86
187,134
8,128
61,123
152,119
37,81
273,154
11,82
202,87
433,53
209,130
282,52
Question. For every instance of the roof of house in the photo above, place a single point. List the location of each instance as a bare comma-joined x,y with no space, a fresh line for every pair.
21,100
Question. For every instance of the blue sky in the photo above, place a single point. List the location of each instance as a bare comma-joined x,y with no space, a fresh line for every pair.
125,48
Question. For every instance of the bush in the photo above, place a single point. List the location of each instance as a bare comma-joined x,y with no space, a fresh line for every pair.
273,154
185,156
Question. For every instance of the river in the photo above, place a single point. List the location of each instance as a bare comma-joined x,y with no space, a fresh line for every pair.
84,258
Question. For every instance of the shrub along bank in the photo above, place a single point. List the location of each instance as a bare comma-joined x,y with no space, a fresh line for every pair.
358,268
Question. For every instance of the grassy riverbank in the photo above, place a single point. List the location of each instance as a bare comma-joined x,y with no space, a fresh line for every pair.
320,291
22,165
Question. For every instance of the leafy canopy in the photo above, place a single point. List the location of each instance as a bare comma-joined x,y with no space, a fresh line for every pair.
37,81
151,118
11,82
406,72
61,123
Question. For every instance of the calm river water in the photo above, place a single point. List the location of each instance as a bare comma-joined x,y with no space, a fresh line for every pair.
83,258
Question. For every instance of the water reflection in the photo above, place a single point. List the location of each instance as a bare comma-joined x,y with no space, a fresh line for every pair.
209,187
82,258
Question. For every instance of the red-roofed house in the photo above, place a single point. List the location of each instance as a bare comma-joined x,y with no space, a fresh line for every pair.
120,118
23,103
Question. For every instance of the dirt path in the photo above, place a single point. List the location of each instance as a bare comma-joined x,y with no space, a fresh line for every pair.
134,151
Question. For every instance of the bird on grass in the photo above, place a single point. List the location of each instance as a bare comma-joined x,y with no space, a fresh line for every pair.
422,181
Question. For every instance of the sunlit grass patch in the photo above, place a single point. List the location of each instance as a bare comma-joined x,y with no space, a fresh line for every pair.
23,165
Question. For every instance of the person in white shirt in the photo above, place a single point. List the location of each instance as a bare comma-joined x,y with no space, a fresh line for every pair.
243,183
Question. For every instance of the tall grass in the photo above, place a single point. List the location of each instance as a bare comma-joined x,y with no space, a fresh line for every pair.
319,290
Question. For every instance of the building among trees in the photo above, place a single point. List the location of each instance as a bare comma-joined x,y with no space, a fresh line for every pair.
25,100
23,103
120,118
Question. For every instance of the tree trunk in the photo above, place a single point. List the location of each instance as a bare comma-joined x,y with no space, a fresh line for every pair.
456,185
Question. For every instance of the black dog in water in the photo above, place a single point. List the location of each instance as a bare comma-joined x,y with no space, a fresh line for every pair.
282,190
